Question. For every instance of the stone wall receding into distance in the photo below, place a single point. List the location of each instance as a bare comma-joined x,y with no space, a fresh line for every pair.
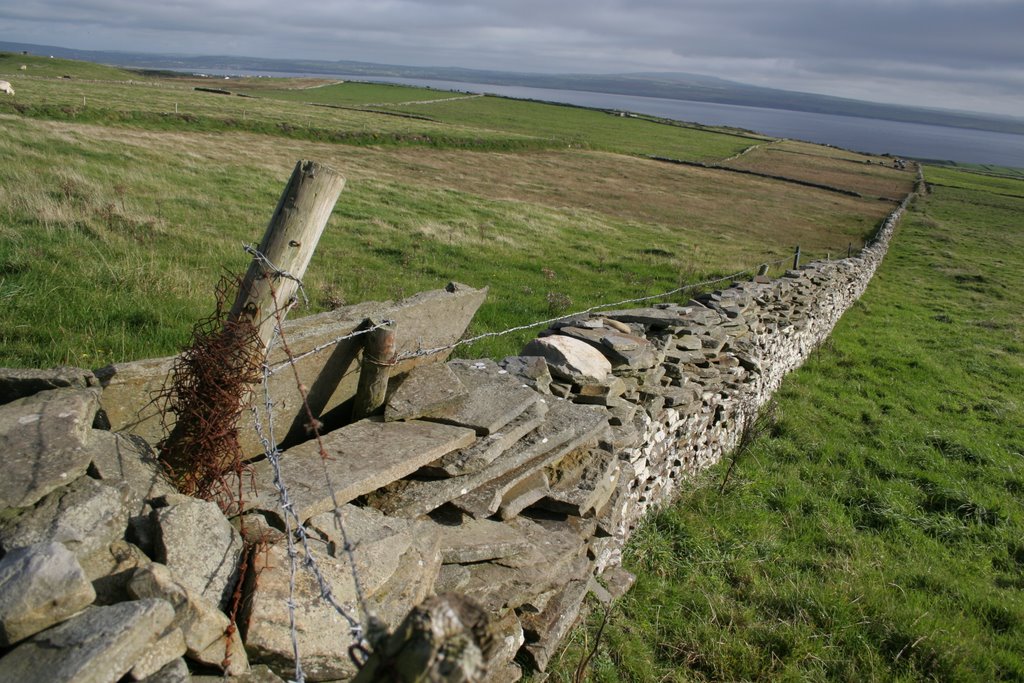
515,483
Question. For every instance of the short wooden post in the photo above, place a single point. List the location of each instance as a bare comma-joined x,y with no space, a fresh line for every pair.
288,245
849,250
378,357
796,258
762,269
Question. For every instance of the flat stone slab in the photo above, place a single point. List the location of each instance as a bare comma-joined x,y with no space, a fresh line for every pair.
587,488
426,390
414,498
493,397
100,645
43,439
531,370
118,457
361,458
477,540
40,585
18,383
553,555
570,359
654,317
586,425
524,494
546,630
378,541
487,449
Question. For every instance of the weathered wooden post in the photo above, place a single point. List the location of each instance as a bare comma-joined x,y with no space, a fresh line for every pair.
288,245
213,379
378,357
762,269
796,257
849,250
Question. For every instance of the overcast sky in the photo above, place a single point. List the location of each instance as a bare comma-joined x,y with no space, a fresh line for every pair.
959,54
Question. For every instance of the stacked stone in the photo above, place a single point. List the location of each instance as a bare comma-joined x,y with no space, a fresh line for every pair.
106,572
515,483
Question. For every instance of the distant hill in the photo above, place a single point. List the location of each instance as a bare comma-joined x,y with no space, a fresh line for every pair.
677,86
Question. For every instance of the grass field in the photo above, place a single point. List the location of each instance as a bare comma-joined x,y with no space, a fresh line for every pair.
118,215
876,531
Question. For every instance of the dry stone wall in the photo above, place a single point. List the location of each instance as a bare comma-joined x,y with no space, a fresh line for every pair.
513,483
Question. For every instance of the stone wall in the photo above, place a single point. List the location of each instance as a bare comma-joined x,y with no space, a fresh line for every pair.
514,483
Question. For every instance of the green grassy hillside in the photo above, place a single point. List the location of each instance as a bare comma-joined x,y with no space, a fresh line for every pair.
123,203
876,531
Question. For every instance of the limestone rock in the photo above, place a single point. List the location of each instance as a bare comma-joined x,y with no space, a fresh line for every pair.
361,457
378,541
44,438
18,383
174,672
587,424
412,583
619,348
86,517
168,648
447,638
204,627
427,389
258,674
99,645
587,488
493,397
570,359
566,423
199,546
544,631
531,370
125,457
324,635
40,585
488,448
477,540
523,494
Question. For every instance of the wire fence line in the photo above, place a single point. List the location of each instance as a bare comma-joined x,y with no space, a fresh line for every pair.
291,360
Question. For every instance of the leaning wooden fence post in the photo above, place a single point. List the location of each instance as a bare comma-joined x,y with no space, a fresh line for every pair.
796,257
199,450
288,245
378,357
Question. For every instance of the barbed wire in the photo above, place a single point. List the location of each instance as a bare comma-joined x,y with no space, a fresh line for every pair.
261,258
519,328
291,518
314,426
326,345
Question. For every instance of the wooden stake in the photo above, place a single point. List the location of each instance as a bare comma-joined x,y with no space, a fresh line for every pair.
288,244
796,258
378,357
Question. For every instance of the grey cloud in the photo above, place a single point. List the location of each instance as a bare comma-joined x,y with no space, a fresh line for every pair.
833,46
